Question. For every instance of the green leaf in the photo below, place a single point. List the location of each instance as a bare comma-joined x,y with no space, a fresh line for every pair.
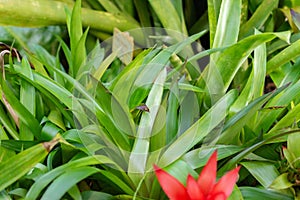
213,14
5,195
20,192
266,119
143,12
198,130
5,153
293,146
103,66
77,38
49,85
6,122
17,166
198,157
185,86
180,170
251,193
87,142
218,77
96,195
116,180
236,194
67,180
228,23
289,156
17,145
74,26
109,6
47,178
172,115
168,16
235,124
236,159
49,131
140,150
126,6
258,18
287,73
255,84
140,73
284,56
75,193
281,182
27,98
117,113
22,113
265,173
53,91
128,75
79,56
56,118
66,50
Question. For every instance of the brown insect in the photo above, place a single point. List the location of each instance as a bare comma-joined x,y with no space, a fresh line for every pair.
143,107
273,108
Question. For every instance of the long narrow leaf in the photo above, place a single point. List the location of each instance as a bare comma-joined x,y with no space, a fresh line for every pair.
284,56
67,180
23,114
168,15
263,172
27,98
266,119
16,167
250,193
198,130
228,23
259,17
47,178
140,151
220,74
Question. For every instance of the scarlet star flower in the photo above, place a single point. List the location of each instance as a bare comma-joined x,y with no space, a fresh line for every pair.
205,188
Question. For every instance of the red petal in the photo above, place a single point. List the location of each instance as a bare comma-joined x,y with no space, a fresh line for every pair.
207,178
220,196
193,189
171,186
226,183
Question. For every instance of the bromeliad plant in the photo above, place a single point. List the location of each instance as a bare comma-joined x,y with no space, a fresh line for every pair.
205,188
120,113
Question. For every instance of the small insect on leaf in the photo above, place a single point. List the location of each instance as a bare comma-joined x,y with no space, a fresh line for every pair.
143,107
273,108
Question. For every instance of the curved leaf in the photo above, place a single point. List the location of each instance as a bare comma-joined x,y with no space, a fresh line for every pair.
198,130
66,181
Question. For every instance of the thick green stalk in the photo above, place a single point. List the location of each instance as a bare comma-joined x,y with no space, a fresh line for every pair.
35,13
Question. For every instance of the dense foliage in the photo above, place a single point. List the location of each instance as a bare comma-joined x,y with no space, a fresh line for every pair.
106,89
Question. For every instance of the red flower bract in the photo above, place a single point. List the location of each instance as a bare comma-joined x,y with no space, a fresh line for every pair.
205,188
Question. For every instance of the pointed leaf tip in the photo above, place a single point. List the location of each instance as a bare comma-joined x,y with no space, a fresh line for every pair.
193,189
208,175
171,186
226,183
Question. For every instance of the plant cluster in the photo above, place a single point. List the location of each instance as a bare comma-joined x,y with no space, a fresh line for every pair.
112,98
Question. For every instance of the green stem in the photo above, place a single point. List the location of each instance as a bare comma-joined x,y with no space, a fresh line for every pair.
34,13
